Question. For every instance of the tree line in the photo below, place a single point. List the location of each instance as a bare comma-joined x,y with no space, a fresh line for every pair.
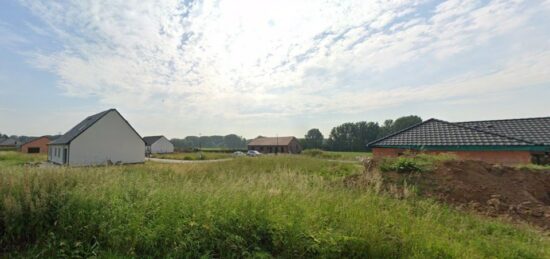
354,136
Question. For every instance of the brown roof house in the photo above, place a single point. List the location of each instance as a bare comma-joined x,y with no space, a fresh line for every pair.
510,141
36,145
289,145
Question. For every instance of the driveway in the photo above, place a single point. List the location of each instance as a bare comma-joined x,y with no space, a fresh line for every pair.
177,161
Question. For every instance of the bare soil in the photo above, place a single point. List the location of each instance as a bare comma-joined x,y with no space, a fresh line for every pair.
521,195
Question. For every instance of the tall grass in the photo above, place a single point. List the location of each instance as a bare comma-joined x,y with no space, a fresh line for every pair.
282,206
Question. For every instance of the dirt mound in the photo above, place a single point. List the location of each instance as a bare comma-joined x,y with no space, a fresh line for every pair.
493,190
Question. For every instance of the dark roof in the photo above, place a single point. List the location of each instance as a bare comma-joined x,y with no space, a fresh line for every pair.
10,142
84,125
271,141
536,130
435,132
149,140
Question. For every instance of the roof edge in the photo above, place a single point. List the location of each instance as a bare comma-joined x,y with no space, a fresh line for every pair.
400,131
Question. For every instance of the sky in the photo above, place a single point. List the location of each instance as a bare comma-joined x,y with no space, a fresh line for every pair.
252,68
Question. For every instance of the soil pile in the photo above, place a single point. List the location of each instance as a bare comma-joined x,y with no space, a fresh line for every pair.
493,190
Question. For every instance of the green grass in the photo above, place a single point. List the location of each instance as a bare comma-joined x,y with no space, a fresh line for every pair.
193,155
272,206
334,155
10,158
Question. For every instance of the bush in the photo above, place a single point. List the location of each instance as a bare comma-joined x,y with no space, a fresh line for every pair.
401,165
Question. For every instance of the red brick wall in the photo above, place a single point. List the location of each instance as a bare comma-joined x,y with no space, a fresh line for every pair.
497,157
42,143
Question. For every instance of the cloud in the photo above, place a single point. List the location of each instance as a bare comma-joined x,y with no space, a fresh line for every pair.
248,59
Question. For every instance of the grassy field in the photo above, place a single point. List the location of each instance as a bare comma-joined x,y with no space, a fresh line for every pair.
334,155
193,155
271,206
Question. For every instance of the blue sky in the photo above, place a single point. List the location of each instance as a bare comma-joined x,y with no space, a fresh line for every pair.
253,68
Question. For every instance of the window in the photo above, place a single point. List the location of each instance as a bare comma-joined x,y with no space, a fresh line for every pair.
33,150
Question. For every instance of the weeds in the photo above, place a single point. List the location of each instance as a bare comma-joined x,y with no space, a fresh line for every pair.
272,206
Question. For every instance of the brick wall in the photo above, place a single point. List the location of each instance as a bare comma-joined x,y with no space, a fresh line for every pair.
497,157
41,143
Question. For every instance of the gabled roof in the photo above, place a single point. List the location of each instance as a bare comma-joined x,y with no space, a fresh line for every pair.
531,129
271,141
84,125
435,132
149,140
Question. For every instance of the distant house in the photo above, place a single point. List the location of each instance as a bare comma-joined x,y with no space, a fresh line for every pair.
496,141
158,144
9,143
102,138
275,145
36,145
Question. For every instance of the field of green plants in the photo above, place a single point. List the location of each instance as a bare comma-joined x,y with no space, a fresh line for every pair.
271,206
193,155
335,155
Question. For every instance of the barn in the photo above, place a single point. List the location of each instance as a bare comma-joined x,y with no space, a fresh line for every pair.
36,145
101,138
512,141
158,145
9,143
289,145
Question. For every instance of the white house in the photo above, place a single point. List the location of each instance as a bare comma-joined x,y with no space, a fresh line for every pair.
102,138
158,144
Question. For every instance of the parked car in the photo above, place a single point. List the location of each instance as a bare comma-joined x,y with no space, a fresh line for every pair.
253,153
239,153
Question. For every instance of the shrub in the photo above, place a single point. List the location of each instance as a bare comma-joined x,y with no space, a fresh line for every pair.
401,165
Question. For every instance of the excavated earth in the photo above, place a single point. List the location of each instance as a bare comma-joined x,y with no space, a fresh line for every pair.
521,195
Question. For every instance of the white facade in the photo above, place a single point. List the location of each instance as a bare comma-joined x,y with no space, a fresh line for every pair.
109,140
162,145
55,153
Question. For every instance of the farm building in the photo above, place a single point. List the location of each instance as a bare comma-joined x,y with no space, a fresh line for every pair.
9,143
102,138
36,145
158,145
275,145
510,141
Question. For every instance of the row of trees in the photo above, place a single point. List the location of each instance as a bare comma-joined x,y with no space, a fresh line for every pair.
230,141
354,136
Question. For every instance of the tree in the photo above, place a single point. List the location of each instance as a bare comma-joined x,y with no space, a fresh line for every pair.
313,139
405,122
353,136
401,123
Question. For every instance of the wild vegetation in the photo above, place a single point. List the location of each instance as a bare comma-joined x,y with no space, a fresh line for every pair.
194,155
271,206
334,155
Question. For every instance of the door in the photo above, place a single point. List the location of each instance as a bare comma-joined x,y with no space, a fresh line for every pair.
64,156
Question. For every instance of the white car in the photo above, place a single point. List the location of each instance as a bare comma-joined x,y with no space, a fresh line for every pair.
239,153
253,153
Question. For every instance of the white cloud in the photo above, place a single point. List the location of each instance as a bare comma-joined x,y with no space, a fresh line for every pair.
246,59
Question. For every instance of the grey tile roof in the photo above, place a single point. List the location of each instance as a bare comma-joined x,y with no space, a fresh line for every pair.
10,142
79,128
149,140
435,132
536,130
